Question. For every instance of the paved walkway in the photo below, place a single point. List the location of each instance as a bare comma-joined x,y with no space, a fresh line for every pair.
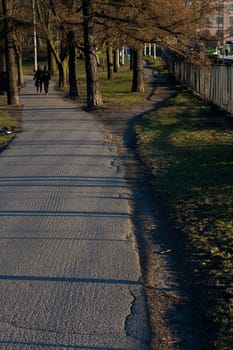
69,268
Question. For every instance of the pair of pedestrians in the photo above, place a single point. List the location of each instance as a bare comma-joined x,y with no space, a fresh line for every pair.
42,77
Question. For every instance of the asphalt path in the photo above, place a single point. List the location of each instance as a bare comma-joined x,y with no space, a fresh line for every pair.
70,273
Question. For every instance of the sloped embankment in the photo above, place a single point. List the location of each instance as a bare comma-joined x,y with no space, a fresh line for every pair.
186,147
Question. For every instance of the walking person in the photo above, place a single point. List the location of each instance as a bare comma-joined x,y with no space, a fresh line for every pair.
38,80
45,78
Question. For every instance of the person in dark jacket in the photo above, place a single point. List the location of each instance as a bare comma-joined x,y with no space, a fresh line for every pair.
38,80
45,78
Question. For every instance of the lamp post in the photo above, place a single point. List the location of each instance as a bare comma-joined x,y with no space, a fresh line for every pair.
34,33
223,21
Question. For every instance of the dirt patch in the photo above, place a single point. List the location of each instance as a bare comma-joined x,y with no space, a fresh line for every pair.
174,319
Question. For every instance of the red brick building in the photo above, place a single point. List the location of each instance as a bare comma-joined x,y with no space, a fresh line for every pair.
220,22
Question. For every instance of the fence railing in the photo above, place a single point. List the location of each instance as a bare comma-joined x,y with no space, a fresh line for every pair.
212,82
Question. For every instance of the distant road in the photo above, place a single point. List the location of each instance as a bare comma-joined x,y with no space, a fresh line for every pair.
69,267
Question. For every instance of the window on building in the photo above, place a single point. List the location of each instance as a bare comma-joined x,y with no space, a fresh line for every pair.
221,9
231,19
219,32
231,7
219,20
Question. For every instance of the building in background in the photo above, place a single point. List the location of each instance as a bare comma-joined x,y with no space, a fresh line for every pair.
219,24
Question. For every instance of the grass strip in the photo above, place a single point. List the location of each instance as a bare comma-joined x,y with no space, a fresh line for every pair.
9,122
115,92
187,147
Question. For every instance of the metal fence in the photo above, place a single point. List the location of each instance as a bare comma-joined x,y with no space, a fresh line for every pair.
213,82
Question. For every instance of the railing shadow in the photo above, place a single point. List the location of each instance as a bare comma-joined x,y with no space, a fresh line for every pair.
37,345
68,280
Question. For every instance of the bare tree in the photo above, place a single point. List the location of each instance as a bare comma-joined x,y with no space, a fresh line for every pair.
138,77
2,57
72,65
114,23
94,97
12,89
19,60
110,62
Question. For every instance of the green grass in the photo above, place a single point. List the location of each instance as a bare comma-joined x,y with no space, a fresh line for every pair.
114,92
188,148
8,120
118,91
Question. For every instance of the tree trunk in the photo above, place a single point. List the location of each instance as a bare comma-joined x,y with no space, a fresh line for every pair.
59,53
138,76
19,60
94,97
49,56
110,63
52,63
72,65
131,55
116,59
12,89
62,63
63,69
2,62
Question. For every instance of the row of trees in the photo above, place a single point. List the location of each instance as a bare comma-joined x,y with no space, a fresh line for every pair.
84,25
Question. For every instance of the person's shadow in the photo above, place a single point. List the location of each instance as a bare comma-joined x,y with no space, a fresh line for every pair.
155,73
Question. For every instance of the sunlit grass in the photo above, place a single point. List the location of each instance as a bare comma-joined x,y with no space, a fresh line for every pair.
114,92
118,91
